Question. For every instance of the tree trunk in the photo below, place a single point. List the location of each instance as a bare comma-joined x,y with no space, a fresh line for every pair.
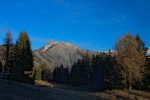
130,86
130,81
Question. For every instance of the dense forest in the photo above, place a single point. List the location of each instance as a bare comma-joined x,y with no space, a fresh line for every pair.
18,59
125,67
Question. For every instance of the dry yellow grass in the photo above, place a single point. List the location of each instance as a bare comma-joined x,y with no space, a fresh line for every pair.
124,95
44,83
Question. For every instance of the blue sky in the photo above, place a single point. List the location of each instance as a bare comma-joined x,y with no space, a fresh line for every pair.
90,24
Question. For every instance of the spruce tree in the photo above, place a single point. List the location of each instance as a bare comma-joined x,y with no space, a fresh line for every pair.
23,58
141,44
76,74
141,47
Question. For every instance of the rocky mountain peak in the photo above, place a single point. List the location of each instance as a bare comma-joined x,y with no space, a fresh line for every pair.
55,43
148,51
55,54
50,44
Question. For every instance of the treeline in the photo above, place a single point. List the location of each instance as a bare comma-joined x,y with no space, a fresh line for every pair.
126,67
95,72
17,59
61,74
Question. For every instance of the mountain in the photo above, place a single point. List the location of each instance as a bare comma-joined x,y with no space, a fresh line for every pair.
148,52
55,54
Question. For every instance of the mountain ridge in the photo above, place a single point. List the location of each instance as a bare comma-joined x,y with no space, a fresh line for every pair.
148,51
62,53
55,54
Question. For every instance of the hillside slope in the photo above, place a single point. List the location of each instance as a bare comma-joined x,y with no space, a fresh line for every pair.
20,91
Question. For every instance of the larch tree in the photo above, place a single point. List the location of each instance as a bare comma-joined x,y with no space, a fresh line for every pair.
131,60
8,57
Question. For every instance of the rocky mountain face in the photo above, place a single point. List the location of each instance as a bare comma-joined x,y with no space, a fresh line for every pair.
58,53
53,54
148,52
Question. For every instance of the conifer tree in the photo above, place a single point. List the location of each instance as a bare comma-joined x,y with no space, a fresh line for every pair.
8,44
76,74
9,56
61,74
23,58
141,44
131,60
96,72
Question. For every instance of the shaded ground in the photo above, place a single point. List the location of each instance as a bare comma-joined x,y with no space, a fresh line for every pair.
19,91
124,95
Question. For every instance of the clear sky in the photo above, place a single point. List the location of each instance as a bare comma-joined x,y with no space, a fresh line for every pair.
90,24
